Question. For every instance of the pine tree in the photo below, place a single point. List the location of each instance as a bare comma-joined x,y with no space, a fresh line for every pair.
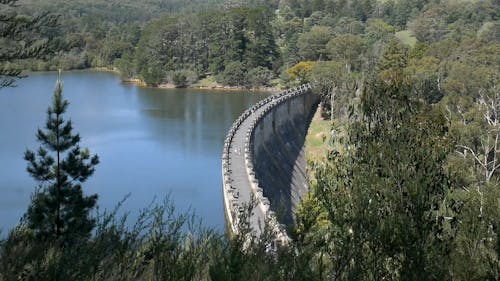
21,39
59,210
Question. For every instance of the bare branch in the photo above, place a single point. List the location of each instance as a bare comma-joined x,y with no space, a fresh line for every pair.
479,161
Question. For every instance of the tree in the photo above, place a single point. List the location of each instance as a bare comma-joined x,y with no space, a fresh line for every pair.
425,73
349,49
260,76
300,71
59,210
335,85
362,9
489,156
312,44
431,25
235,74
385,190
262,49
20,39
393,60
377,29
485,151
179,79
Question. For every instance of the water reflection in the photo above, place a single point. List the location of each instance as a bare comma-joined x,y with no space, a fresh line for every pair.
151,142
197,121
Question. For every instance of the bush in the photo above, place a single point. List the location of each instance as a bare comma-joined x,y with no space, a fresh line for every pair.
161,245
183,78
300,71
152,75
260,76
235,74
179,79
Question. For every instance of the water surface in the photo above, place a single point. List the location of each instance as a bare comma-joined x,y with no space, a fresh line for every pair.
151,142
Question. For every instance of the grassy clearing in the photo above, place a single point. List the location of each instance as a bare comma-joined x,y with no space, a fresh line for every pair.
208,82
318,139
406,37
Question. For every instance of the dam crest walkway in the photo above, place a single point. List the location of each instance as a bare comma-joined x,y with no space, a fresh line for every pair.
239,173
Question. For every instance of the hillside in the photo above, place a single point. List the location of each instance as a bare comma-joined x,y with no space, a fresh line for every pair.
118,11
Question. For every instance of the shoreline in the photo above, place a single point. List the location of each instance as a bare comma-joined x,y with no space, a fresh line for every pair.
236,88
169,86
218,87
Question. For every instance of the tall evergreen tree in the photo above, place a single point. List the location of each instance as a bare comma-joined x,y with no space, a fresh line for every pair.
59,210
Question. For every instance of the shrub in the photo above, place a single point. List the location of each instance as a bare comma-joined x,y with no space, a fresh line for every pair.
235,74
183,78
260,76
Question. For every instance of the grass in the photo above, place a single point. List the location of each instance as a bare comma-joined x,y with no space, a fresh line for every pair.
318,138
319,141
406,37
208,82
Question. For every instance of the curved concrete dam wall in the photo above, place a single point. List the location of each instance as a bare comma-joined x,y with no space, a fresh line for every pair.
278,153
264,159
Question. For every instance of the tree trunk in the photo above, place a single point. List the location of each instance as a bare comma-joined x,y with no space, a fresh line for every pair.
58,183
332,100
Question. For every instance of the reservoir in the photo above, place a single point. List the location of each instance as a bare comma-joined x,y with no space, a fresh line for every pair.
151,143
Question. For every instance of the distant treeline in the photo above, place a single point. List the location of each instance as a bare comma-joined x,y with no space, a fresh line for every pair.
252,43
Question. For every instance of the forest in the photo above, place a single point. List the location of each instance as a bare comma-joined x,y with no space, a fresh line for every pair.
410,185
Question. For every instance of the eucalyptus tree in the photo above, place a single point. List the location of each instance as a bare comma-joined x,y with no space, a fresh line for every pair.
384,190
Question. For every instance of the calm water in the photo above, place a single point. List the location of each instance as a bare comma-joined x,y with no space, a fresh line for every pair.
150,142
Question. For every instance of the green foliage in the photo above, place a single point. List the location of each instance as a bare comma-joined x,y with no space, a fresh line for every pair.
300,71
399,12
406,37
179,79
151,39
336,85
407,192
260,76
161,245
349,49
235,74
126,66
378,30
59,211
383,192
312,44
216,40
394,57
185,78
430,26
475,252
424,72
20,38
261,50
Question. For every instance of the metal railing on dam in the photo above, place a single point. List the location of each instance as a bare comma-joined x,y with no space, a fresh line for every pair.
240,177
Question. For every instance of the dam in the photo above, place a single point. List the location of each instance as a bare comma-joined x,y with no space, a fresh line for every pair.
264,164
